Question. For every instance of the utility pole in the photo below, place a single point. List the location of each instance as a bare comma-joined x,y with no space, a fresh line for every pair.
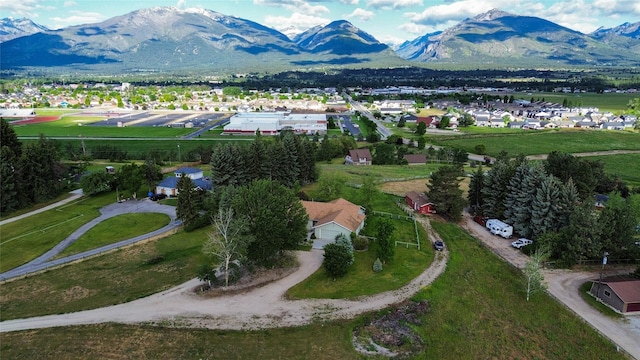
179,155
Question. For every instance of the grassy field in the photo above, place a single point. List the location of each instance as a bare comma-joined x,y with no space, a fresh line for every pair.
69,126
115,229
627,166
477,311
26,239
533,142
355,174
35,206
114,278
361,280
613,102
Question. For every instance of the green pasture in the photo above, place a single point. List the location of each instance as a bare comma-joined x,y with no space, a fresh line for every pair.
626,166
117,228
35,207
26,239
380,173
120,276
613,102
407,263
534,142
478,311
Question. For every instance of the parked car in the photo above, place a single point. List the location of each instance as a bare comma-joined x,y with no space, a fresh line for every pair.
438,245
518,244
156,197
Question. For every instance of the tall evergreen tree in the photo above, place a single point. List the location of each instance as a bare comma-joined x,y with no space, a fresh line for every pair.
291,166
9,197
522,193
445,192
476,184
187,207
545,207
494,190
618,222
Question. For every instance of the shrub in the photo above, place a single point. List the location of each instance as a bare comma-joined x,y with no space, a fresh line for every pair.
377,265
197,223
344,241
481,149
336,260
360,243
154,260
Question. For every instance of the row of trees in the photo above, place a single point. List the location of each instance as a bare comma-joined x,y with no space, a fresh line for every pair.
552,202
30,173
128,181
288,159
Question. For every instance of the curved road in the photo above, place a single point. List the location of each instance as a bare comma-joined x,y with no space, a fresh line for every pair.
142,206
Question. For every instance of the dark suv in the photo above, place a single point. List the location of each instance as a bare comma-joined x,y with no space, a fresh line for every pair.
156,197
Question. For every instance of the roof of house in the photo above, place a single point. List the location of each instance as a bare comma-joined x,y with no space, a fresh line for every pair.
172,183
627,289
188,170
339,211
416,158
419,199
360,154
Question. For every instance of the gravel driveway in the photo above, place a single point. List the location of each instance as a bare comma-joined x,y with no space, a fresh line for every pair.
263,307
564,285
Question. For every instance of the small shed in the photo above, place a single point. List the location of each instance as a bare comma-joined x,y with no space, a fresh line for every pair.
420,202
621,294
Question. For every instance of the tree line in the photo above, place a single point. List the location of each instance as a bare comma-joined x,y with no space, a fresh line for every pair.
553,203
31,173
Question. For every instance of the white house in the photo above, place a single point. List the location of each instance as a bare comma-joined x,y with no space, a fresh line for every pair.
169,185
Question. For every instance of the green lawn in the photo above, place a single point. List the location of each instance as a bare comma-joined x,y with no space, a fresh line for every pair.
26,239
113,278
543,142
626,166
115,229
69,127
361,280
381,173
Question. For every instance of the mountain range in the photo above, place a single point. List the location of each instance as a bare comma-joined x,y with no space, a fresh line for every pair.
166,39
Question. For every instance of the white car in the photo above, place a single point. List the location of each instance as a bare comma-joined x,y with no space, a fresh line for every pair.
521,242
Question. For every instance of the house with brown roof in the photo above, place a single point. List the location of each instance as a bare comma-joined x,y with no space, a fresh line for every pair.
330,219
415,159
358,157
621,294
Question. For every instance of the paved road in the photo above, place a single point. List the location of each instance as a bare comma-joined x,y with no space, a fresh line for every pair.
357,106
76,194
142,206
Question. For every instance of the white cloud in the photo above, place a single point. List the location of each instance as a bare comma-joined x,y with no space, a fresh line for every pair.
26,8
76,17
350,2
617,7
455,11
299,21
70,3
390,40
393,4
362,14
300,6
181,4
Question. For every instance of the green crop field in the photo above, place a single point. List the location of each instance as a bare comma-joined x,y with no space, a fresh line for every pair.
68,127
544,142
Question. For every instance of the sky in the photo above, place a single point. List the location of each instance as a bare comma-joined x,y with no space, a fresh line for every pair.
389,21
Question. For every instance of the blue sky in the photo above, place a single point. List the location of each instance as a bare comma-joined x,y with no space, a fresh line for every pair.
390,21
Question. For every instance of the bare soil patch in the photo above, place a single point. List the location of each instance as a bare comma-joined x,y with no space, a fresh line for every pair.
254,280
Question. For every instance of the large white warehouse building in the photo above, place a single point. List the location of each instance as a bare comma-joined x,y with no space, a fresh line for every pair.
271,123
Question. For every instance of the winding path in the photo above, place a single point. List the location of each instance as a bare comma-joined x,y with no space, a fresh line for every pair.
264,307
45,261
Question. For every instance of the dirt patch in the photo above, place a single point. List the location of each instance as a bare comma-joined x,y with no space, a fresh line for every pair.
392,334
399,188
257,279
75,293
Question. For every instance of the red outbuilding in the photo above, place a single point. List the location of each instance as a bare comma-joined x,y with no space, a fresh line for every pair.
420,203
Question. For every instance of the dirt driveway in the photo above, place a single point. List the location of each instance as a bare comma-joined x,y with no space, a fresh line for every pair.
264,307
564,285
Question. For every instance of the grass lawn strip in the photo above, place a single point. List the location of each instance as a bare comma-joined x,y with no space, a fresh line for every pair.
117,228
26,239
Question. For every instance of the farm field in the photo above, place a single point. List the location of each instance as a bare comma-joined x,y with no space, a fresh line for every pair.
533,142
476,311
